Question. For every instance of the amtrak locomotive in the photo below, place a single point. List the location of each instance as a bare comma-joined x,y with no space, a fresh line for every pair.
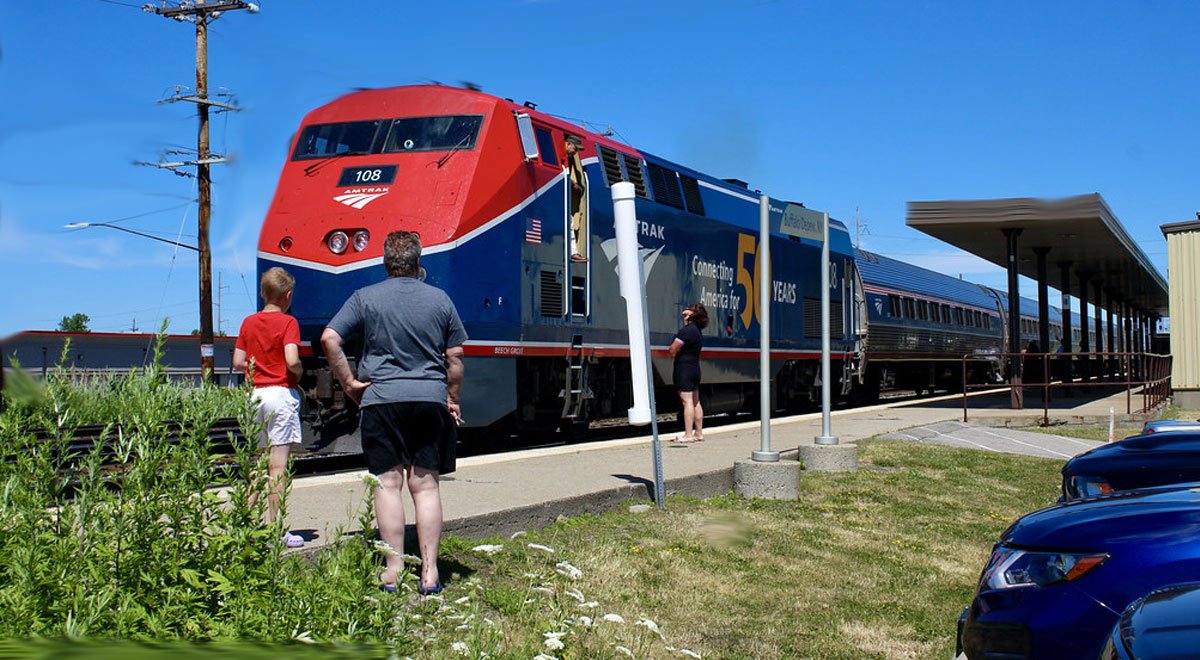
485,183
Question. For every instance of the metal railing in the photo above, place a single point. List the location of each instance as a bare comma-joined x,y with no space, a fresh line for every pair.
1150,373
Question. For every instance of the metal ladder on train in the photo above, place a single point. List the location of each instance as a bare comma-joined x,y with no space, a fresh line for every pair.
576,392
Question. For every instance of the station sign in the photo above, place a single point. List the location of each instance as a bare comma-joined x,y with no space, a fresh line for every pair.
803,223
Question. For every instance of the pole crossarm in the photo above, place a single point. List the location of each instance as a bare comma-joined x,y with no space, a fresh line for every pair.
201,101
185,163
187,10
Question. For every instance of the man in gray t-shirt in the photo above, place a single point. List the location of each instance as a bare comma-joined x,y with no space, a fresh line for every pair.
407,387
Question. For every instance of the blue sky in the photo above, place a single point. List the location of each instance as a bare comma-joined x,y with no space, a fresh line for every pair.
845,106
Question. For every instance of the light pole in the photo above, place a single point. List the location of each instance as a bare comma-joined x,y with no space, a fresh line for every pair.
85,225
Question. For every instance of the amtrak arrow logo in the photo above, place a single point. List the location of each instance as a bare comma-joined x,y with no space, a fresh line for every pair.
360,197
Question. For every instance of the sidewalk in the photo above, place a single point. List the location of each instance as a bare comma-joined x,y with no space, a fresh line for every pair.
503,493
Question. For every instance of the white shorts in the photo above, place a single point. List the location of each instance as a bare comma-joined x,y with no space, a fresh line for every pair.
279,412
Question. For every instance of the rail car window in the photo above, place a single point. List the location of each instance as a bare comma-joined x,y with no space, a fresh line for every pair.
910,308
545,142
946,318
352,137
987,321
923,310
433,133
958,315
935,313
894,305
978,319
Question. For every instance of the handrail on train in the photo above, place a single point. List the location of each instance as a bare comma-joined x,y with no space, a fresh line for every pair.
1148,372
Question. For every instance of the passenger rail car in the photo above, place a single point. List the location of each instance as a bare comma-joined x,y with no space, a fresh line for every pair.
482,179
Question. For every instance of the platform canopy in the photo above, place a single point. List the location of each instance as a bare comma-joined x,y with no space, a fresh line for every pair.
1081,230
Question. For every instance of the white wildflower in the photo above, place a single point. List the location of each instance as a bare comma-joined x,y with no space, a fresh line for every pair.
460,648
456,617
531,576
371,480
555,635
488,548
516,535
586,621
543,590
462,600
574,593
304,637
614,618
650,625
568,570
384,549
689,653
554,644
539,546
543,656
625,651
412,560
590,604
463,626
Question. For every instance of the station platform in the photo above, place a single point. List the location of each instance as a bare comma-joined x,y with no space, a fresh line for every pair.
499,494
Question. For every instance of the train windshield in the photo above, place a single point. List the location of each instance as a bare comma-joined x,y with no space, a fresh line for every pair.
322,140
433,133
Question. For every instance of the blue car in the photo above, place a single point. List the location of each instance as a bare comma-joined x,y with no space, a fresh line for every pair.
1141,461
1058,578
1157,425
1162,624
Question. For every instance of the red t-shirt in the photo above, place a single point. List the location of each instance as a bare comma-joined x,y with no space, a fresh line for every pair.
263,336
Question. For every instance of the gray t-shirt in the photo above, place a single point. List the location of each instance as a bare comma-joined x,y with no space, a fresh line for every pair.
406,327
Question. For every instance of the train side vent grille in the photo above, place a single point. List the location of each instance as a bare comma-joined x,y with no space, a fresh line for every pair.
691,194
633,168
665,184
812,319
551,294
612,166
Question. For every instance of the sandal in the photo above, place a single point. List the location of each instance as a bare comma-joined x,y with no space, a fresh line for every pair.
429,591
684,439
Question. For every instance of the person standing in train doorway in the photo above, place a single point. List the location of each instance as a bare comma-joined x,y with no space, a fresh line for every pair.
686,350
407,386
578,209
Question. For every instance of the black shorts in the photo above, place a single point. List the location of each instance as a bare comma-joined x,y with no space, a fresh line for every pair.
687,377
410,433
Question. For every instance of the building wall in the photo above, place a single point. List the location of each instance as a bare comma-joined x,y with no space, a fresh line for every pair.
1183,272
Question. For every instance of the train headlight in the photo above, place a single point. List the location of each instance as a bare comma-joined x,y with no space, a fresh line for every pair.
337,242
285,243
361,238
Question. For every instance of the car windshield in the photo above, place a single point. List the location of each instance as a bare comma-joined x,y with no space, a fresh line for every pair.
433,133
323,140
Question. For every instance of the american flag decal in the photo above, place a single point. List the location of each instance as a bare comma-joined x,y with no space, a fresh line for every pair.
533,231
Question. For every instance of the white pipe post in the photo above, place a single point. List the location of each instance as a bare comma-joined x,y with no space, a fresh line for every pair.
764,454
826,437
633,290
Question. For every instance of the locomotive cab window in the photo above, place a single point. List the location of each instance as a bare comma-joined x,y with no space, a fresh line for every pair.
545,140
323,140
448,132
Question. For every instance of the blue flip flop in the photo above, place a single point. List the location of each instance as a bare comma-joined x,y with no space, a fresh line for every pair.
387,588
429,591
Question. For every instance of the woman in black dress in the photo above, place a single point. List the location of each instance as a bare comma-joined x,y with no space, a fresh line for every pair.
686,351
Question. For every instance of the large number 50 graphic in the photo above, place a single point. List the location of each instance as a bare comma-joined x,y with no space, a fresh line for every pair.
748,250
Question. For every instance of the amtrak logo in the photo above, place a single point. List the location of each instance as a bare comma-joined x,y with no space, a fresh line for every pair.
360,197
649,256
878,306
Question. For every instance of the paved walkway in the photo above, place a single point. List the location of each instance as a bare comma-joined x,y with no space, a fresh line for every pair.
502,493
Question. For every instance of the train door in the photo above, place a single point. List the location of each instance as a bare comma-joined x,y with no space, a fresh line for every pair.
856,321
577,228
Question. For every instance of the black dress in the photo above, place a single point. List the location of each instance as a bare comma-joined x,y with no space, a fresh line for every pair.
687,360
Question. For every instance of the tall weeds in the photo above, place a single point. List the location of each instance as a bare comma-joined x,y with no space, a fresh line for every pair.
155,539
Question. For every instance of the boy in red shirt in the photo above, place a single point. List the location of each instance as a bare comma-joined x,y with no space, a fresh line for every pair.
269,345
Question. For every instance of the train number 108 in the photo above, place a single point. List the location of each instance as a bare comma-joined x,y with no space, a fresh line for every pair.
372,175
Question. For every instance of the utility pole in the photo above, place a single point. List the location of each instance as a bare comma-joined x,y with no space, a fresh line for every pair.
201,13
